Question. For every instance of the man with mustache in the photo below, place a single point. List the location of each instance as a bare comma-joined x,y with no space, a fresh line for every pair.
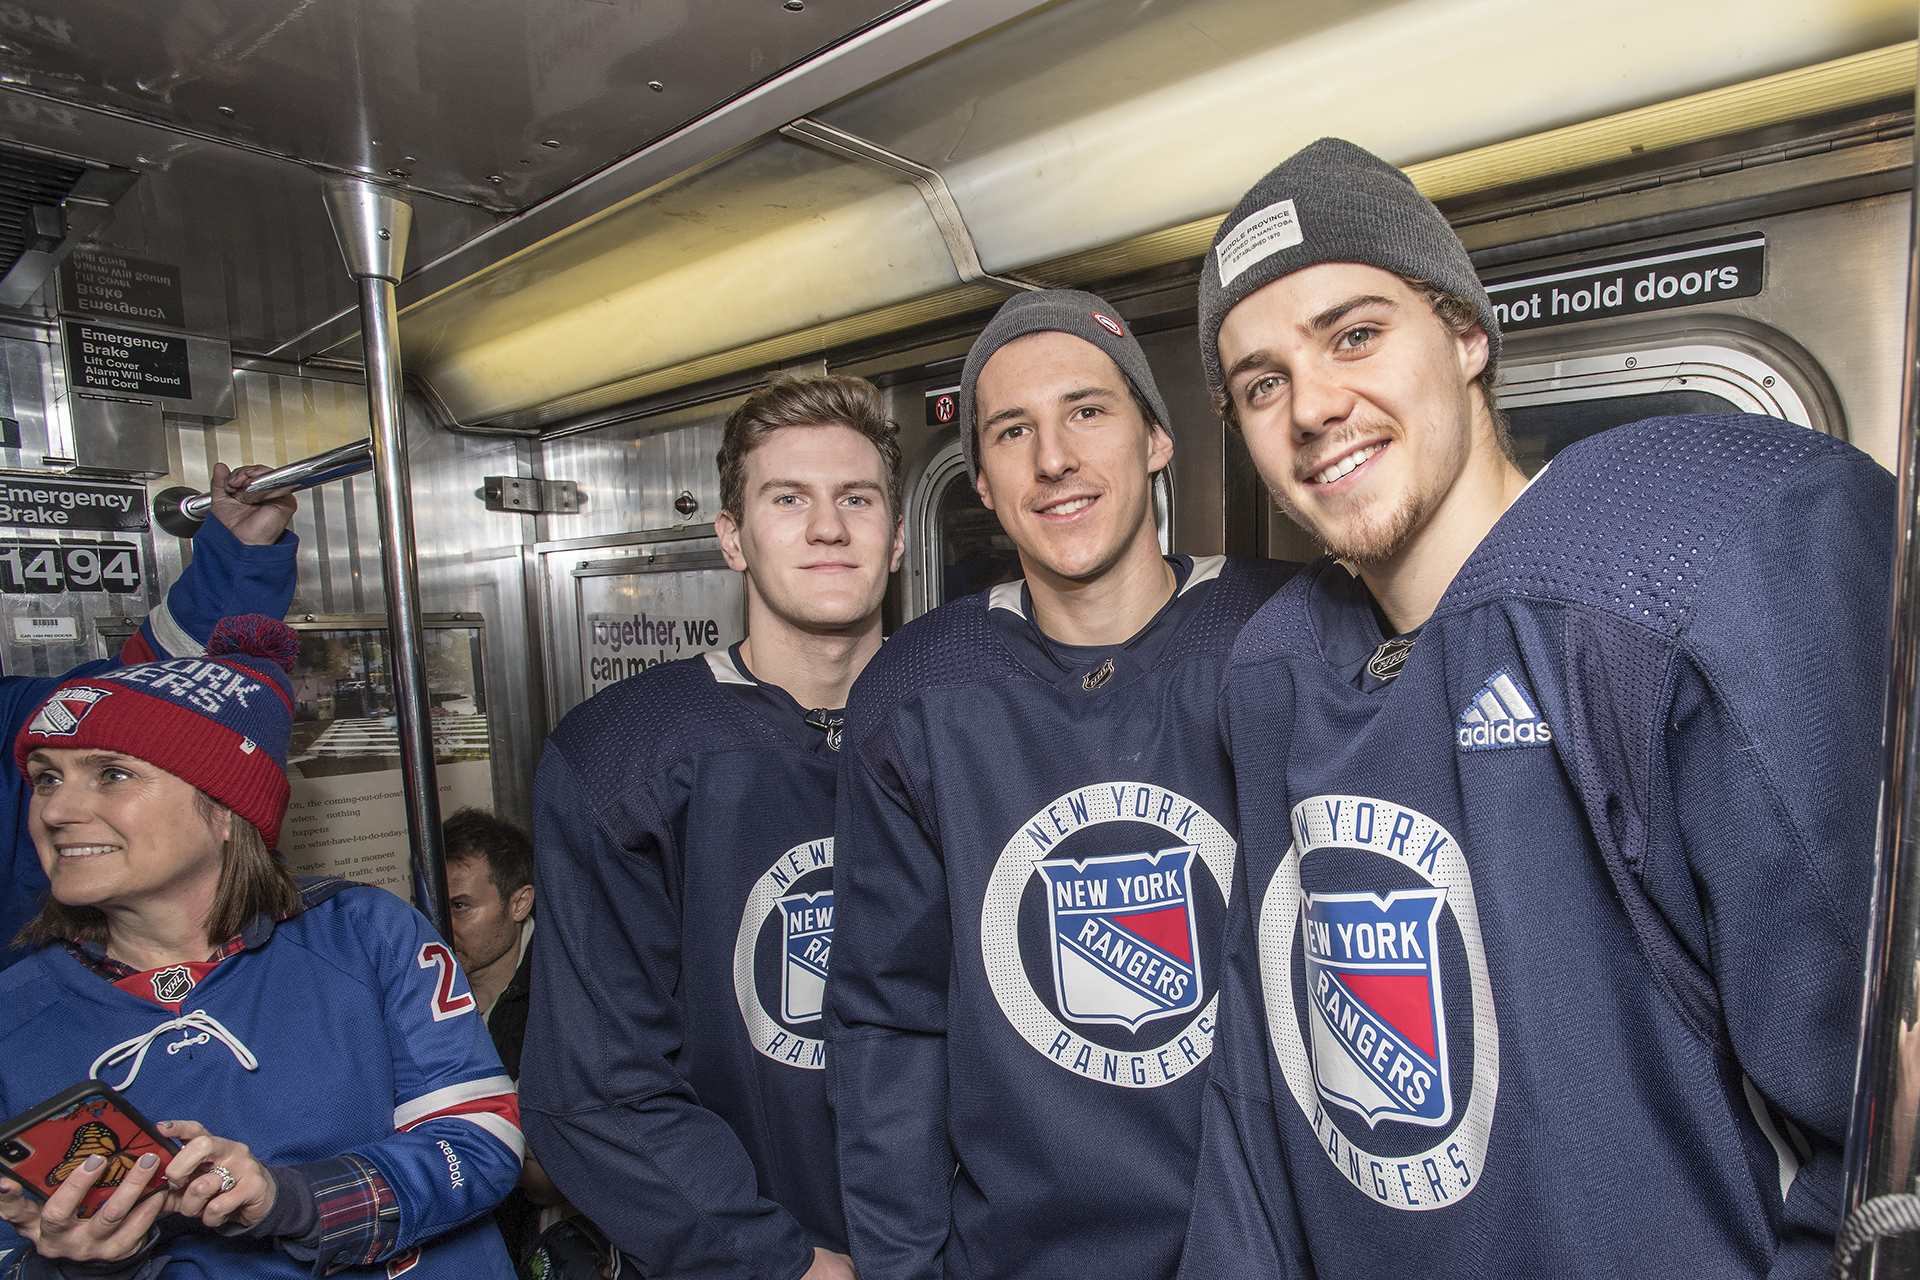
1557,799
1035,818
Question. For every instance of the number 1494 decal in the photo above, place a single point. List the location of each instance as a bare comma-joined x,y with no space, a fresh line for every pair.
41,568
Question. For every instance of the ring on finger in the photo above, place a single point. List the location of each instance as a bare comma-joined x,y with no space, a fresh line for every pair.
227,1180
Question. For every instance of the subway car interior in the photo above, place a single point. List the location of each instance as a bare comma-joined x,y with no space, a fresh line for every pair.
606,222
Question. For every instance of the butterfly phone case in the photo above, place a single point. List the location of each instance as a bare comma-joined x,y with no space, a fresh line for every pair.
42,1146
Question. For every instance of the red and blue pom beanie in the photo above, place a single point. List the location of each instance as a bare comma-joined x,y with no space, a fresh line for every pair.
220,722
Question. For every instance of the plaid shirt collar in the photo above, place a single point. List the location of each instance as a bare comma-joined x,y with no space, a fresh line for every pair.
94,954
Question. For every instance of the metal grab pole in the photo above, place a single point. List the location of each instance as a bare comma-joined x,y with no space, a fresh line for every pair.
1883,1136
372,223
181,511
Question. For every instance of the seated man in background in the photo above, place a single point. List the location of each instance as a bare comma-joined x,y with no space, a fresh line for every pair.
684,834
1558,812
490,890
243,562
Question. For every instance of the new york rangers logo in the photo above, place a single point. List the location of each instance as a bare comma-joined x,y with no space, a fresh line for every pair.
806,922
1125,946
1379,1028
63,712
781,953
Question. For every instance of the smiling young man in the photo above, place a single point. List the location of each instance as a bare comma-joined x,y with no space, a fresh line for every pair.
1035,846
1557,815
684,843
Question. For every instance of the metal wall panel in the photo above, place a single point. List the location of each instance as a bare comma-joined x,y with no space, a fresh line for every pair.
629,474
31,386
471,559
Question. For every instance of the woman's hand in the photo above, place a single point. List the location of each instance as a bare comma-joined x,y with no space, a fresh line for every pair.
255,523
116,1231
195,1182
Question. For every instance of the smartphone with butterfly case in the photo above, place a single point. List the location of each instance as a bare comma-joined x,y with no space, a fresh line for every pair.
41,1147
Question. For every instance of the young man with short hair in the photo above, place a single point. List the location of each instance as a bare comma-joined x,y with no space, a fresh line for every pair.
490,888
1036,843
684,838
490,892
1557,818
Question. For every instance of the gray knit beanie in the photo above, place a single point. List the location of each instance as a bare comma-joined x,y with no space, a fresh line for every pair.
1332,202
1056,311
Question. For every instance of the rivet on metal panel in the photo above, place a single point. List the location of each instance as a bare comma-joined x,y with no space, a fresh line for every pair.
794,6
229,112
551,143
686,504
1631,362
656,86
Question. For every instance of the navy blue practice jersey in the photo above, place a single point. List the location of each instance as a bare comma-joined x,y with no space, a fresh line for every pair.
1036,848
1546,956
673,1071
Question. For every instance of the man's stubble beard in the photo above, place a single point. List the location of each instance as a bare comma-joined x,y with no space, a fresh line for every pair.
1371,538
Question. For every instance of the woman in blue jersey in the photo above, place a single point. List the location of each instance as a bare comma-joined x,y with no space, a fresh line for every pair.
313,1042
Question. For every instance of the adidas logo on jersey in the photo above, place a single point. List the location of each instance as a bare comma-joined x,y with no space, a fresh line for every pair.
1501,715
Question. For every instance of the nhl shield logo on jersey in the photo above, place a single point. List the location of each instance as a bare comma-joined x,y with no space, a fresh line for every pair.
63,712
1125,944
781,953
807,925
1501,714
1379,1003
1379,1029
1094,926
172,984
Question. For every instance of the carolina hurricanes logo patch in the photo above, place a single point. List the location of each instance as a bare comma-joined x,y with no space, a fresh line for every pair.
781,954
1094,926
1379,1002
1108,323
60,717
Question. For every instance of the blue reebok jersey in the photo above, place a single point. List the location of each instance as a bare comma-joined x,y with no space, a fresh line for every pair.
226,577
673,1069
1546,957
348,1029
1036,844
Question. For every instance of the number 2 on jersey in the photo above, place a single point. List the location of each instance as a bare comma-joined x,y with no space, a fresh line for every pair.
445,1003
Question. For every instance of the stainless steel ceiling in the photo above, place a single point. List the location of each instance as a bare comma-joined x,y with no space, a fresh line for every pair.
235,110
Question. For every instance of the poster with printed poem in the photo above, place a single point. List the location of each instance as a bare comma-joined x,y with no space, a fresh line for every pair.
346,815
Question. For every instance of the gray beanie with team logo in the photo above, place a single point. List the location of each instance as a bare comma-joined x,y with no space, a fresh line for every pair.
1332,202
1056,311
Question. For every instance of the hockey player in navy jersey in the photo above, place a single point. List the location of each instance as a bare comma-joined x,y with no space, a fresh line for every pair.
1036,841
1558,817
684,843
243,562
